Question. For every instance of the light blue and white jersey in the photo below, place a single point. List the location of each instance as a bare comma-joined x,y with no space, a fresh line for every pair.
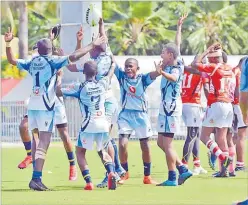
43,70
104,62
244,76
133,95
171,103
91,97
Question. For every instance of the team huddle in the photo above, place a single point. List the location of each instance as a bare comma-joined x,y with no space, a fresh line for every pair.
181,87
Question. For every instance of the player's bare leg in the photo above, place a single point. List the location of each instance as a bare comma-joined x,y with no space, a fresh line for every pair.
214,148
109,166
221,139
64,134
26,139
35,142
231,150
113,153
189,143
123,154
240,149
167,147
165,143
198,169
83,165
40,156
146,156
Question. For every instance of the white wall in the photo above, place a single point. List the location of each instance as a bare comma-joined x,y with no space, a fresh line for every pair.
146,63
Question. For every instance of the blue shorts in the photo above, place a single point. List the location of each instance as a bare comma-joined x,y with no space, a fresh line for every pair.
244,76
86,140
137,121
43,120
168,124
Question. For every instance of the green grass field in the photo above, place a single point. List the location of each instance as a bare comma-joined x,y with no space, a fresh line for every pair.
199,190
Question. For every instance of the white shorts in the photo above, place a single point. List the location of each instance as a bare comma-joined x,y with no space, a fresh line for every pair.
168,124
218,115
86,140
41,119
238,121
192,115
111,110
60,115
137,121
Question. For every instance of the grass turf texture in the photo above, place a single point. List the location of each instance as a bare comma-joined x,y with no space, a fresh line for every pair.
199,190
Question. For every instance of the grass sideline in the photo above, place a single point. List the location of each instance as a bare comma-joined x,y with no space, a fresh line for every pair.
199,190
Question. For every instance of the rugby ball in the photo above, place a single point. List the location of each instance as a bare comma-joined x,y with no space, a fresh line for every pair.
93,15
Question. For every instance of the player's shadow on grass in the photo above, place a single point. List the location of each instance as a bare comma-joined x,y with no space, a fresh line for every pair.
70,188
15,190
66,188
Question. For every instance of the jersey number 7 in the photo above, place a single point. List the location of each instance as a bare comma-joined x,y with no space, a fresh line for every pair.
96,100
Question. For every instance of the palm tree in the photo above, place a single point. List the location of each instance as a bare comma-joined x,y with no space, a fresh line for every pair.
34,21
209,22
139,27
42,16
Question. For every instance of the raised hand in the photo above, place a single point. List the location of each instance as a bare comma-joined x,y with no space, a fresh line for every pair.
80,34
214,47
60,52
8,35
99,40
181,19
51,35
158,66
100,21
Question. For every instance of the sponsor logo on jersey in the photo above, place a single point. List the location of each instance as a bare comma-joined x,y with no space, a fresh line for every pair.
132,89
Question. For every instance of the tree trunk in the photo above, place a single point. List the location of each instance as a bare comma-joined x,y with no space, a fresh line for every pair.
23,30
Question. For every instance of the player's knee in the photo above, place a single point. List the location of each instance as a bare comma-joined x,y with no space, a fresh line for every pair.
104,155
160,144
80,152
40,153
144,143
122,143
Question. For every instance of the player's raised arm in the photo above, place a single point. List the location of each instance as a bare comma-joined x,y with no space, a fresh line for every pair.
8,38
76,55
80,37
197,64
101,28
179,30
192,70
112,68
